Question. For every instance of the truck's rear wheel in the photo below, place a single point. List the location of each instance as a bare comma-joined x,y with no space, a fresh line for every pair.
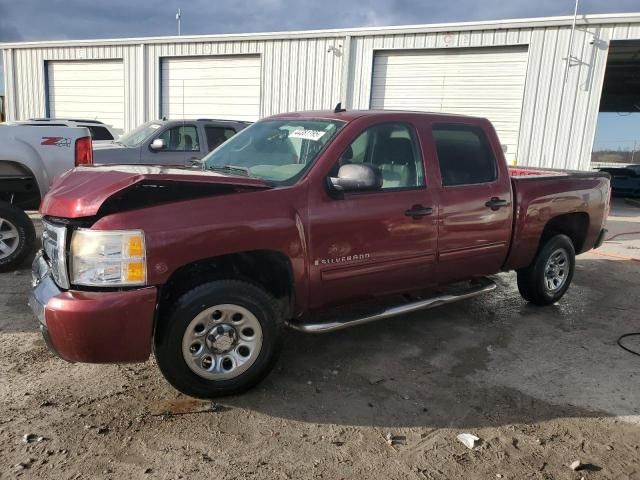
547,279
220,338
17,236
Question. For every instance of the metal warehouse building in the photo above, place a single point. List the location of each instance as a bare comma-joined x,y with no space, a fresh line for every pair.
541,81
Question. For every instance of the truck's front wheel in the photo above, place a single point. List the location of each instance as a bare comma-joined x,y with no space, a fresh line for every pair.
17,236
220,338
547,279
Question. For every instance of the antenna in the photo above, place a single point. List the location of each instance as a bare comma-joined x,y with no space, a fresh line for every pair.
339,108
178,18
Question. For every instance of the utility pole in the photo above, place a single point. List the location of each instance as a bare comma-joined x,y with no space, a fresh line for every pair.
178,17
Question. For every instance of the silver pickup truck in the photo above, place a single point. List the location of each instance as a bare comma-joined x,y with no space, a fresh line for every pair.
31,158
168,142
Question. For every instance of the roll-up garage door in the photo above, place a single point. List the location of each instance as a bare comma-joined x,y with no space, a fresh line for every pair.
485,82
91,90
226,87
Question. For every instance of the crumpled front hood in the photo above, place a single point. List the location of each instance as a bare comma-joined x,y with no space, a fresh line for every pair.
82,191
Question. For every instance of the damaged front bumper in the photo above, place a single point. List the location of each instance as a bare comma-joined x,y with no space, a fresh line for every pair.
93,327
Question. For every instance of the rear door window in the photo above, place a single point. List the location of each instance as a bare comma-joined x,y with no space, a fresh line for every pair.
464,155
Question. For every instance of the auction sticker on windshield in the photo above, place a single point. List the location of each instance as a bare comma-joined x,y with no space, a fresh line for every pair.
314,135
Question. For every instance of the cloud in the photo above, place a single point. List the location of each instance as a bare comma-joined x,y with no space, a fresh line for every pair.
76,19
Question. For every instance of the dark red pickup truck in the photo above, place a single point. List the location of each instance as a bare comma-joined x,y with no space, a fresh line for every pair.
315,221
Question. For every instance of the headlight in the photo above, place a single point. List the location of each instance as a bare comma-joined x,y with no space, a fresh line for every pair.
108,258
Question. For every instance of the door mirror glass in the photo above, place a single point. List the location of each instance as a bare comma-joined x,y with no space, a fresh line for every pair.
357,177
157,144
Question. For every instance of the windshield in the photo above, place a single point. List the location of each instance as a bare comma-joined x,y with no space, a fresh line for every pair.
139,135
279,151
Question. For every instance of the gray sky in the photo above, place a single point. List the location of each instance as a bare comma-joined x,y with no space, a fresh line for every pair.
76,19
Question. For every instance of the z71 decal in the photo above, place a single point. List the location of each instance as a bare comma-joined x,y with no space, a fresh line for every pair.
56,141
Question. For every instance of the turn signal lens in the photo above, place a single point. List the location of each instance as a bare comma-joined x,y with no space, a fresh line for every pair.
135,246
135,272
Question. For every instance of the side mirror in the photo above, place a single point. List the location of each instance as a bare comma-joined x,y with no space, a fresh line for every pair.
357,177
157,144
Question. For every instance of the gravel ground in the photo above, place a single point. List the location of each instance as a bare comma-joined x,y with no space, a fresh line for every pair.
541,387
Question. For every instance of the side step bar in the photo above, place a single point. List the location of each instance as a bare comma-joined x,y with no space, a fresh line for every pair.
481,286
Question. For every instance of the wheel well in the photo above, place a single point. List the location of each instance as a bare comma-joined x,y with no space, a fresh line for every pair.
268,269
18,185
573,225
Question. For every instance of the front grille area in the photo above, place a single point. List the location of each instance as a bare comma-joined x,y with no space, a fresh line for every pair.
54,244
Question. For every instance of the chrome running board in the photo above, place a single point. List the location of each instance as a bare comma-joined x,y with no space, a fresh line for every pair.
481,286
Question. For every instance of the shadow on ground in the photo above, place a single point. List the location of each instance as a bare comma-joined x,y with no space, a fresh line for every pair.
489,361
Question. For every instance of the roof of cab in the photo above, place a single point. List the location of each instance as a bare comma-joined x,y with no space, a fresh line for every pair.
350,115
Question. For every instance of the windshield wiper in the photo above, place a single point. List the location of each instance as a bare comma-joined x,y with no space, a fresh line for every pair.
231,169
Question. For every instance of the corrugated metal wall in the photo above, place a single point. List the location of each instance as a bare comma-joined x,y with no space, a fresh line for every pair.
298,74
28,85
558,121
316,71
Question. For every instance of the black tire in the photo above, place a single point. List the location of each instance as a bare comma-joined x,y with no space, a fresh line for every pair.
532,282
14,219
169,336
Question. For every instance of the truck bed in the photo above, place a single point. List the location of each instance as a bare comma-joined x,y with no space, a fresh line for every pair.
543,194
530,171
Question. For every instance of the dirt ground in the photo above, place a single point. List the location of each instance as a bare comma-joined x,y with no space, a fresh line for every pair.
541,387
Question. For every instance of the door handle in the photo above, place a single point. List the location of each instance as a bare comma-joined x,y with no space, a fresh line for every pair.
495,203
419,211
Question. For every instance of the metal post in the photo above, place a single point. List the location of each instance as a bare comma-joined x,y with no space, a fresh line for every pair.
178,18
570,49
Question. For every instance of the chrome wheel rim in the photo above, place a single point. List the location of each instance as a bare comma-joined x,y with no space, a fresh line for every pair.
556,270
9,238
222,342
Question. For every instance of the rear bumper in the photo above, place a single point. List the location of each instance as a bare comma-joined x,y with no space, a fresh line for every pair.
600,239
94,327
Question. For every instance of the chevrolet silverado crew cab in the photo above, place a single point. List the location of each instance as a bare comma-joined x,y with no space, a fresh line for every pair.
315,221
